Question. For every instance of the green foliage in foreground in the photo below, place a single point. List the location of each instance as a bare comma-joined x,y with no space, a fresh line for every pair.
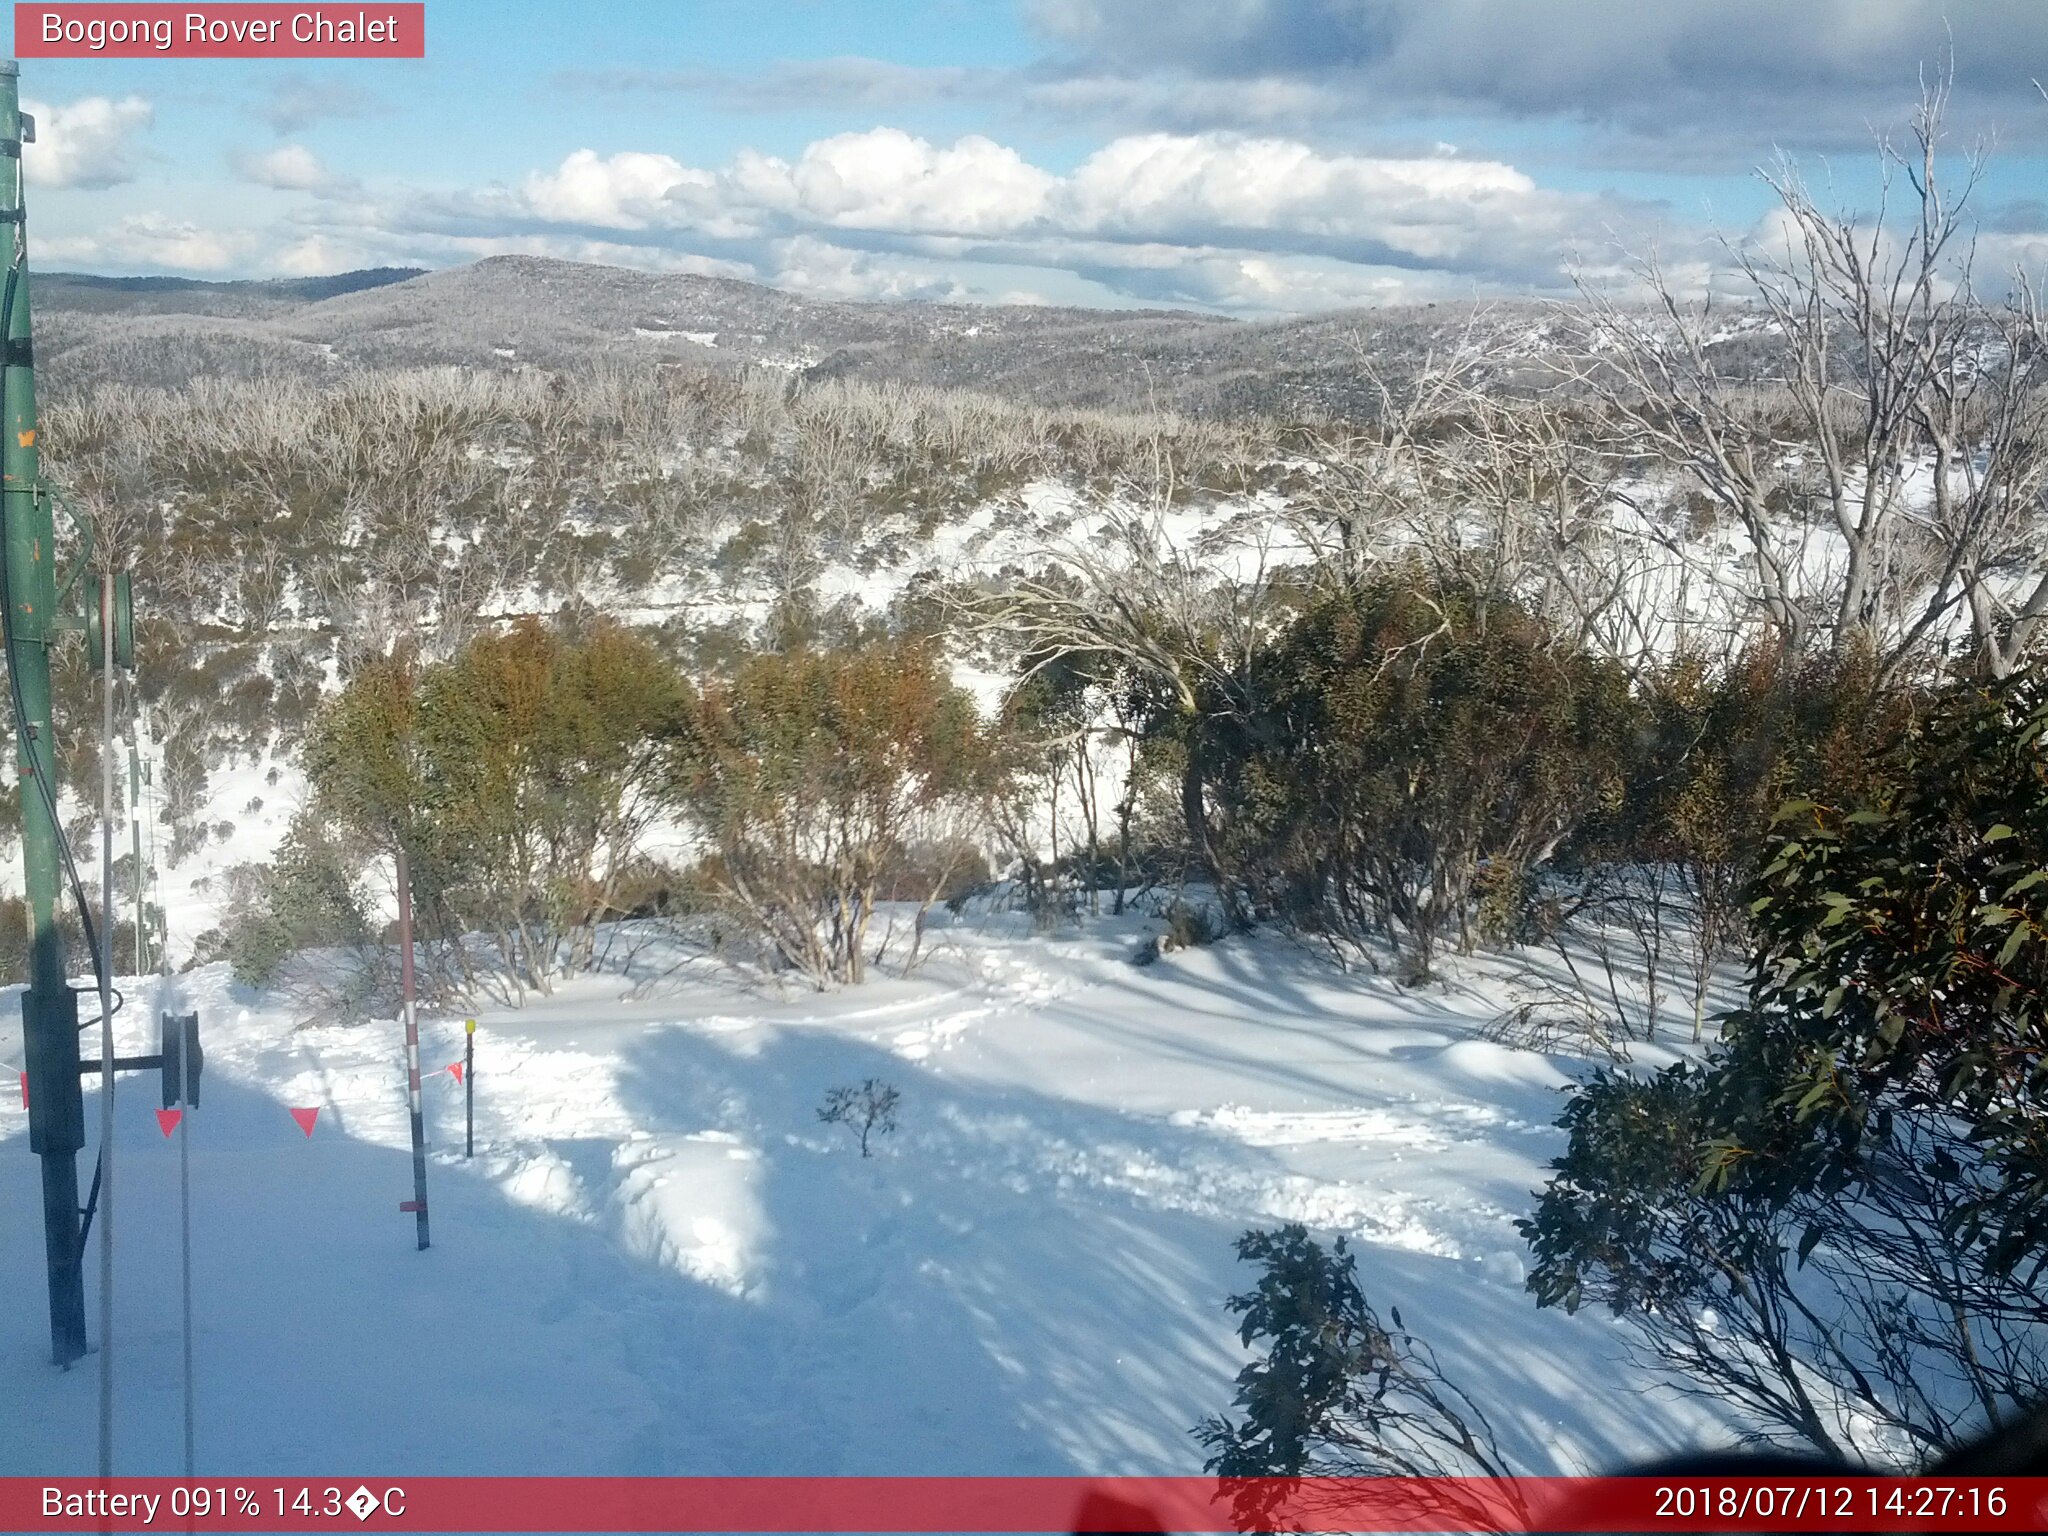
1338,1392
1840,1215
1903,961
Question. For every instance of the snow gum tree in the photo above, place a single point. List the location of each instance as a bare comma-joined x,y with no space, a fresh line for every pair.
817,779
1157,613
1868,420
519,777
1411,758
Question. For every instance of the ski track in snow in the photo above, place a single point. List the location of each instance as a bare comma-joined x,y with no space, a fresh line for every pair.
661,1261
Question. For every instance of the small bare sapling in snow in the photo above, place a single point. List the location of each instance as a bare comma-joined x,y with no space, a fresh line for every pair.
867,1111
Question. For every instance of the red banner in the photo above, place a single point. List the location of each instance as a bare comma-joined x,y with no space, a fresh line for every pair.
1016,1504
361,31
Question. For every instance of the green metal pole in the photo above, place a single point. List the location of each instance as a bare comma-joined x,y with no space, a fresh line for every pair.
49,1008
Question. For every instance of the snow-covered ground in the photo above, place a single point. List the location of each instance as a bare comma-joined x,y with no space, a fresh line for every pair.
660,1261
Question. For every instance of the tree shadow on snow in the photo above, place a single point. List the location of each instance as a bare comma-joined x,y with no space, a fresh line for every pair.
521,1342
1018,1283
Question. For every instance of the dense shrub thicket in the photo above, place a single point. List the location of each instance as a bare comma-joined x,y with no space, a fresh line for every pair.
1410,761
1398,766
1839,1217
517,778
1400,763
822,783
524,778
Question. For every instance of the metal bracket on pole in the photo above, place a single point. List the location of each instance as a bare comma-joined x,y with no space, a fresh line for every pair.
181,1059
124,625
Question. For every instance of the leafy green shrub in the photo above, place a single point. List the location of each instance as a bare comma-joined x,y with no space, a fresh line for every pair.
1408,751
518,777
1840,1216
309,896
815,777
1338,1392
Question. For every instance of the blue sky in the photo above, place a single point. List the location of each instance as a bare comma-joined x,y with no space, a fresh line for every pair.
1252,156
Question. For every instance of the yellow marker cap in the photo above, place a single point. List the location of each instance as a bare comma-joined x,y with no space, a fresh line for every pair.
469,1025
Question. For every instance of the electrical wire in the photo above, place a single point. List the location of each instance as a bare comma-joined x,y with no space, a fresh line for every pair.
120,1002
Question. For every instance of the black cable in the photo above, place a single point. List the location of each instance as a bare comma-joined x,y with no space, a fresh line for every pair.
92,1203
120,1002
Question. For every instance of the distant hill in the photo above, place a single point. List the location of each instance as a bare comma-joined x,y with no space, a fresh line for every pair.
524,311
278,287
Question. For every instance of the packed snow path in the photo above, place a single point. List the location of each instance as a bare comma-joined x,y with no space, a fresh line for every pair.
660,1261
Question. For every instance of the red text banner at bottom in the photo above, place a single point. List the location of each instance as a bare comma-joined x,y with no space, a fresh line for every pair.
1017,1504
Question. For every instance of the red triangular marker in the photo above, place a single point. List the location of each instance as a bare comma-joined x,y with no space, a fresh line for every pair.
169,1118
306,1117
456,1068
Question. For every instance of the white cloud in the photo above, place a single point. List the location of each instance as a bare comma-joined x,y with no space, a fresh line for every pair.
288,168
151,242
888,179
622,191
1436,210
816,267
89,142
1254,215
319,256
1247,224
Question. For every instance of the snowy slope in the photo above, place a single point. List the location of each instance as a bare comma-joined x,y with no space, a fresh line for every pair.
661,1262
